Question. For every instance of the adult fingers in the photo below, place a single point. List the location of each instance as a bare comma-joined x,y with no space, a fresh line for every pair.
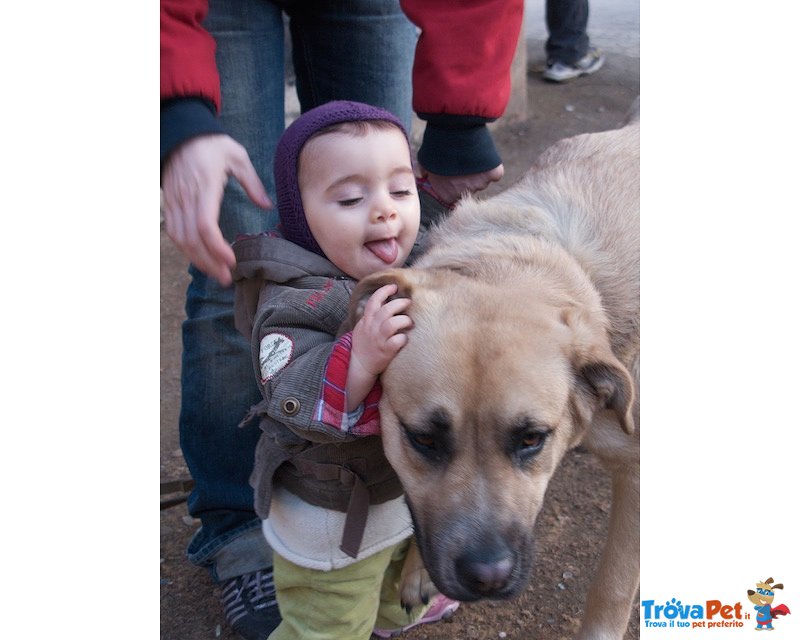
213,253
452,188
241,168
193,183
191,215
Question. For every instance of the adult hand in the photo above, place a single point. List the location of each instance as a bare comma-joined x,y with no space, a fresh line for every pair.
193,183
449,189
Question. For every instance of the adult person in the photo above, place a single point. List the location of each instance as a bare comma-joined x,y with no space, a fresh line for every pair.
569,53
222,112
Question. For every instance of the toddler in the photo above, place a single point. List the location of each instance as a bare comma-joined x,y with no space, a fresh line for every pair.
332,507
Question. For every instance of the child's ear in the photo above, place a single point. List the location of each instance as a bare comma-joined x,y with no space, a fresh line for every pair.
403,278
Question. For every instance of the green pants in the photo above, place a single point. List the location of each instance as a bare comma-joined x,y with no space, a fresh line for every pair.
344,603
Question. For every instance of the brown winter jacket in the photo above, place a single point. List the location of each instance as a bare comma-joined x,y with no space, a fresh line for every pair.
290,304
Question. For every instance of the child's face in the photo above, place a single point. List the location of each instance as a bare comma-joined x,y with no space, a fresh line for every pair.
360,199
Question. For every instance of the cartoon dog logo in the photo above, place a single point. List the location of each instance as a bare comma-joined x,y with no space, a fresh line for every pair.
762,597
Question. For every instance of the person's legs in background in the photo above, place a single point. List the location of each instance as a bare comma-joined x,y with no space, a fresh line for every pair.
569,54
217,382
359,50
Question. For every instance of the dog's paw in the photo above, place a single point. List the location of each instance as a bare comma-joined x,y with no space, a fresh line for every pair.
416,586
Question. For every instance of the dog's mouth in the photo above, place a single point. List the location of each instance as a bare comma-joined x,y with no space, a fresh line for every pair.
480,573
485,565
471,587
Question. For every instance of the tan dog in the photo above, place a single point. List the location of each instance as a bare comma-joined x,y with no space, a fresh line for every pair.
525,343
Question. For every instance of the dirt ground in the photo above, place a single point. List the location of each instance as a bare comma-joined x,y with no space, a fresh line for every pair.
571,526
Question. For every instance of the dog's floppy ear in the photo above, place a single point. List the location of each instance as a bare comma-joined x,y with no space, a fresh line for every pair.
601,379
611,387
403,278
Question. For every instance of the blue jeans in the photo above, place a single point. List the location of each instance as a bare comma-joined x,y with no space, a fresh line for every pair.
358,50
567,40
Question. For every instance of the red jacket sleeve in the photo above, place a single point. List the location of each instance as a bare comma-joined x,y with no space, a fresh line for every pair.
464,53
188,66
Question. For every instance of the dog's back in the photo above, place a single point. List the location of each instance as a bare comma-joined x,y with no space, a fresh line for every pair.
583,195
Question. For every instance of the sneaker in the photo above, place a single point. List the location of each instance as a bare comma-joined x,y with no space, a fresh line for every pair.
442,608
250,605
560,72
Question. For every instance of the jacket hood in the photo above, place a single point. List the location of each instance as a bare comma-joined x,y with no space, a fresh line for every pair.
268,258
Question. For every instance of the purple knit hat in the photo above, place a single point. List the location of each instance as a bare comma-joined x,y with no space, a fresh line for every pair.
287,154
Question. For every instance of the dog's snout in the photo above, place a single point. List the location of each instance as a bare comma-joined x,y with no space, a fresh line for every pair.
485,570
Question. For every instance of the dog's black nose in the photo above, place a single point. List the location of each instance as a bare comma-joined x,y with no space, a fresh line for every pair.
485,570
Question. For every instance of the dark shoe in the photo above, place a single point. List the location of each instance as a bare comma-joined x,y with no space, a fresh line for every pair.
560,72
250,605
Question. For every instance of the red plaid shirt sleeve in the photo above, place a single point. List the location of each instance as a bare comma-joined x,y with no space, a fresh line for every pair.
332,407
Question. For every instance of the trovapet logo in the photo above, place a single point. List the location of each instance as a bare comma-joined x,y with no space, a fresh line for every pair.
762,597
710,614
716,614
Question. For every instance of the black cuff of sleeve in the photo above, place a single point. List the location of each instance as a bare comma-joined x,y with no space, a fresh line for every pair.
461,151
185,118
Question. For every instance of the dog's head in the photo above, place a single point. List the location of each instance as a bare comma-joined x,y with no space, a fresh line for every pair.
765,592
497,381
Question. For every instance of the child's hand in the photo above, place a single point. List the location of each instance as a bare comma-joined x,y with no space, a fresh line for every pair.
378,335
377,338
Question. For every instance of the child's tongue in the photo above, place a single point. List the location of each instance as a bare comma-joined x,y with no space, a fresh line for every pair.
386,250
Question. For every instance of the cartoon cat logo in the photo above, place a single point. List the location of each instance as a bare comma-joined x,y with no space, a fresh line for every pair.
762,597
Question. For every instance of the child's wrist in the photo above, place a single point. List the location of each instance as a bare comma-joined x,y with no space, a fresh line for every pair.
364,364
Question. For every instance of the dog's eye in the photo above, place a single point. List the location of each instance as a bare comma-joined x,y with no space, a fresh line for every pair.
427,445
426,442
431,440
529,443
533,440
430,447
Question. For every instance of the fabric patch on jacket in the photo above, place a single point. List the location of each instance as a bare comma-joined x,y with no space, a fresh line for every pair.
274,354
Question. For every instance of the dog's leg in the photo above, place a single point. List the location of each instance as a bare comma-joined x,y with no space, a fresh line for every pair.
608,606
416,586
